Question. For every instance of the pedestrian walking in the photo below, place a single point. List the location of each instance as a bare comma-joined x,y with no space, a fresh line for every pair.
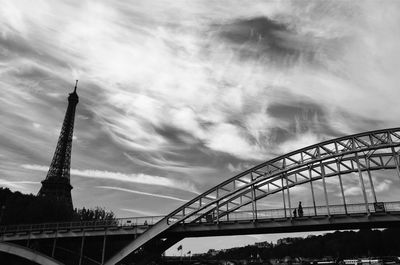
300,210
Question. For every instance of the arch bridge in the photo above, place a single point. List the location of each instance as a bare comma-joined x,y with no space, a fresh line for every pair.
262,199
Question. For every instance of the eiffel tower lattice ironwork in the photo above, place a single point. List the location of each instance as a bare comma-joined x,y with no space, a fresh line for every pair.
57,183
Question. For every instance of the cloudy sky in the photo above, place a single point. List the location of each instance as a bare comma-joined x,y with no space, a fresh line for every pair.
176,96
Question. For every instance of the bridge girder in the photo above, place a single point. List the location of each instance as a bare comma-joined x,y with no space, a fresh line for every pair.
376,150
358,153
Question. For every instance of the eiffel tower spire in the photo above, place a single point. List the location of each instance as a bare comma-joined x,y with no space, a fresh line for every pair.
57,183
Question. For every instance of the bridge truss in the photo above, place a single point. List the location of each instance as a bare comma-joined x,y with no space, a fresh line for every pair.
358,154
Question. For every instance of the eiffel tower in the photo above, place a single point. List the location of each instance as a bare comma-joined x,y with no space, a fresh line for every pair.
57,183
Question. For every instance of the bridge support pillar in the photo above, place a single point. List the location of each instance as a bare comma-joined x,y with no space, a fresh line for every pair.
312,190
283,197
396,158
370,179
28,241
53,250
324,184
288,196
341,186
253,199
81,252
217,207
362,183
103,252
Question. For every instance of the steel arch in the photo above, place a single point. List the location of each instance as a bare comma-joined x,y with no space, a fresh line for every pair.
362,152
28,254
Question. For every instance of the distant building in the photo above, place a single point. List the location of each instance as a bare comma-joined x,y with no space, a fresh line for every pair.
264,244
288,240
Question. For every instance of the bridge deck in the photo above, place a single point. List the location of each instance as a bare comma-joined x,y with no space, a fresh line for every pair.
266,221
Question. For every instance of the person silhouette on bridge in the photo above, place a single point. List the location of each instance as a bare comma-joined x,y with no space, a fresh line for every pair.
300,210
295,213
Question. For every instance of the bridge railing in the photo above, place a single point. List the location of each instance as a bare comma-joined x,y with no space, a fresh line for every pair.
119,222
148,221
359,208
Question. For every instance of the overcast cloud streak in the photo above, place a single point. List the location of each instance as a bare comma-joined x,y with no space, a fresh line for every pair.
142,193
135,178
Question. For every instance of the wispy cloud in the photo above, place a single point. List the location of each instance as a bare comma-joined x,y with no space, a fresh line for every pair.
140,212
142,193
384,185
299,141
352,186
164,164
133,178
224,92
17,185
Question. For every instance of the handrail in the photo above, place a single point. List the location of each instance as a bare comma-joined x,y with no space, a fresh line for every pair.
118,222
147,221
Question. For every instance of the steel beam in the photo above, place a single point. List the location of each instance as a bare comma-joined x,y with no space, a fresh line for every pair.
312,191
283,197
81,252
341,188
362,182
324,185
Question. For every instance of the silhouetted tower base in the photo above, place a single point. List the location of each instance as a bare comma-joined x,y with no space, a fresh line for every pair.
58,189
57,183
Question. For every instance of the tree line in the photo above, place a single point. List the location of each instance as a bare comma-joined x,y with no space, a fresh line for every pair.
19,208
340,244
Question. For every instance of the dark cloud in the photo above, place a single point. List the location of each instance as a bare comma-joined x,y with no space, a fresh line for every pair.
13,46
253,29
176,137
185,148
262,36
297,109
300,115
